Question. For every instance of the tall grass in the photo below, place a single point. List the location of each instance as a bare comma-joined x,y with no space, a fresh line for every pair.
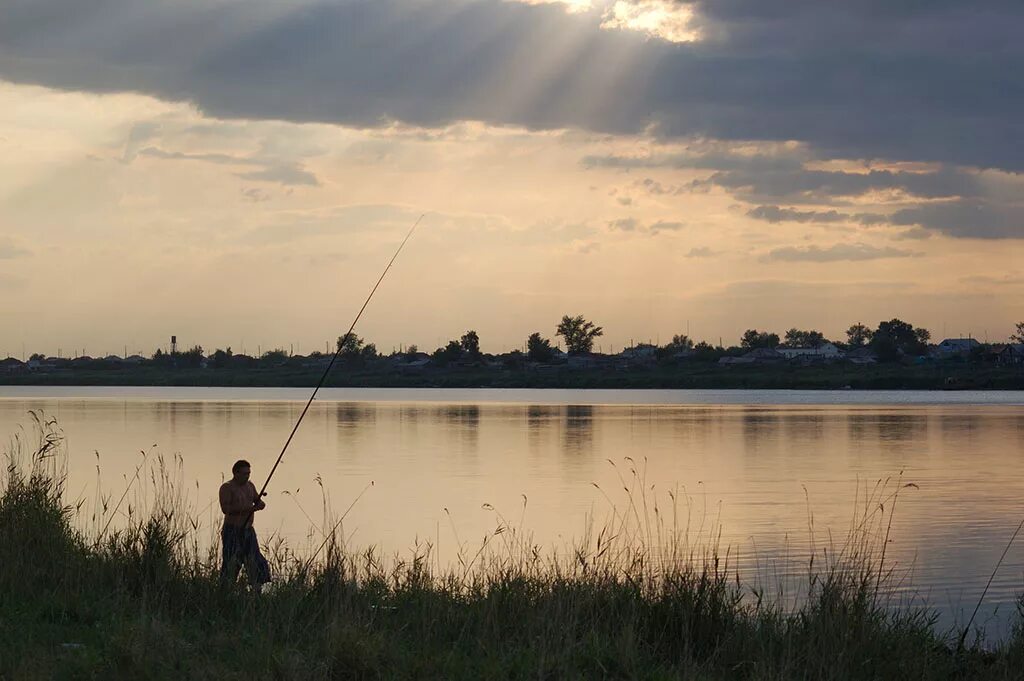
646,594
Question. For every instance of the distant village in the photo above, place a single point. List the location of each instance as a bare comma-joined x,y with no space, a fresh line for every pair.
893,341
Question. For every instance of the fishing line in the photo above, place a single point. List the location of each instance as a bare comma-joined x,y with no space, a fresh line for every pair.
334,358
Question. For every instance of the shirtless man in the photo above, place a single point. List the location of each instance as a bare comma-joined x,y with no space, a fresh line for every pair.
239,501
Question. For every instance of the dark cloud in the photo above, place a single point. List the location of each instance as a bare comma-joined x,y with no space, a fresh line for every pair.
835,253
967,218
824,186
912,234
926,81
775,214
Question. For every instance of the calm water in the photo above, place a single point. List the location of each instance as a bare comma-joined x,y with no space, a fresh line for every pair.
752,463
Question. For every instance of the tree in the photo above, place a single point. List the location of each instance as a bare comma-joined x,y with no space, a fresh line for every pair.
795,338
538,349
410,352
680,342
1018,335
275,356
704,351
36,357
895,338
470,342
369,351
350,345
449,353
752,339
220,358
858,335
579,334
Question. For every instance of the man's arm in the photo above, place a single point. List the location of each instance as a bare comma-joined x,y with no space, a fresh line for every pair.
259,504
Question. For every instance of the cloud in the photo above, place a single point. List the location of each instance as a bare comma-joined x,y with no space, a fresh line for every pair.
912,234
665,226
288,173
967,218
775,214
1015,279
634,225
9,250
822,186
701,252
915,81
835,253
624,224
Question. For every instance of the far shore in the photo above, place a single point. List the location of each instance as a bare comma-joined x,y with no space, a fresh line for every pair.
688,375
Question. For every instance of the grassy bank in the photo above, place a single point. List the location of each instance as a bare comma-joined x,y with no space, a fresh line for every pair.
638,599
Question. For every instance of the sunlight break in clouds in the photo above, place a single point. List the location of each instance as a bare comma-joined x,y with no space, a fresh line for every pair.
660,18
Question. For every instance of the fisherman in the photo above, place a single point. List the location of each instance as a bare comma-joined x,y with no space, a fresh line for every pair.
239,501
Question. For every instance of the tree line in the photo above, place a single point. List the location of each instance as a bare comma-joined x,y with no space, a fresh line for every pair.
888,340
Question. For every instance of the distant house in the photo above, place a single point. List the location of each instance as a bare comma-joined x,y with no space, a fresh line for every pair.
41,365
640,355
825,351
765,355
585,361
956,347
134,359
863,355
10,365
1011,354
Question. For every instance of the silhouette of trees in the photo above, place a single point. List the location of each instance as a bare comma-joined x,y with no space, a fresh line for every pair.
895,338
579,334
752,339
220,358
538,349
795,338
355,349
679,343
275,356
1018,335
448,354
858,335
470,343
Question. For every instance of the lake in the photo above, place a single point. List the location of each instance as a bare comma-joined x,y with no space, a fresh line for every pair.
760,468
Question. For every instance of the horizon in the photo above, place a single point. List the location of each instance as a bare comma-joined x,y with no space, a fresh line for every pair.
241,172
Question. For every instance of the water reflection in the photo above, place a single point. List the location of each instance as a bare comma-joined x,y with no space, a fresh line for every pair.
754,460
578,431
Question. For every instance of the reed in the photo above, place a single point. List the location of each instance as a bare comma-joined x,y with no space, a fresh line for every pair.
646,593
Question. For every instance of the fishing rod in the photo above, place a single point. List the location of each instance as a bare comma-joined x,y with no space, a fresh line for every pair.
334,358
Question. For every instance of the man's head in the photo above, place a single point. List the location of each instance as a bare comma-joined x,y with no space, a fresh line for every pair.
241,471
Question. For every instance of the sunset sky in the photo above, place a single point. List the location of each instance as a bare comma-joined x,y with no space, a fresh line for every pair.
238,172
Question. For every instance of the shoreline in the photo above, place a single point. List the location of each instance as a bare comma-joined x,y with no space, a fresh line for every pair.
938,377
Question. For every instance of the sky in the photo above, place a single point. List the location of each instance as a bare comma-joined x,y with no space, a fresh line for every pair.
238,172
